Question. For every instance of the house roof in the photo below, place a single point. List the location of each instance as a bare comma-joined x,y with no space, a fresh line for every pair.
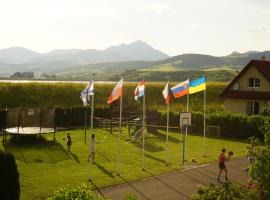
253,95
264,68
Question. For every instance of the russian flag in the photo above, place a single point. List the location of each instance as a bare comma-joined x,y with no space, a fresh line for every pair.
181,89
166,93
117,92
139,91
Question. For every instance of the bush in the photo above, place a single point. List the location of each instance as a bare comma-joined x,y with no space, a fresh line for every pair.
225,192
260,168
9,177
82,192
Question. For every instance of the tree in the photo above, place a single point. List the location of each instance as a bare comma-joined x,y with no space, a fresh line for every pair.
260,169
9,177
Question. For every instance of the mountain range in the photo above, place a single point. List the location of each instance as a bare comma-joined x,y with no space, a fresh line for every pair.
137,55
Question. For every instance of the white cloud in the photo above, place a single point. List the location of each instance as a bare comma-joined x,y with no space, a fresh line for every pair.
258,29
195,26
157,8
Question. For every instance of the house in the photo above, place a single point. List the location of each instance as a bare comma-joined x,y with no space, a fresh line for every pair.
249,91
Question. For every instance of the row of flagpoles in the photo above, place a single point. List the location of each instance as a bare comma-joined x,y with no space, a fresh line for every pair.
186,87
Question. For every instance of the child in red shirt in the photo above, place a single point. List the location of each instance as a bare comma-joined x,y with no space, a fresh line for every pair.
221,163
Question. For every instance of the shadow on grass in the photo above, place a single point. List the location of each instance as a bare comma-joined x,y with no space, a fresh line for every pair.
149,146
36,150
74,156
163,137
104,170
155,158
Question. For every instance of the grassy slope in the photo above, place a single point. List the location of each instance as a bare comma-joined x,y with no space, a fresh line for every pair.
45,167
67,95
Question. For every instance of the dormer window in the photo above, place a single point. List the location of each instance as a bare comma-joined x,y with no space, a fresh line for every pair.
253,82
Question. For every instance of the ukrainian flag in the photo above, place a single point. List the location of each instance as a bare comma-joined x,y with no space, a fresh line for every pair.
197,85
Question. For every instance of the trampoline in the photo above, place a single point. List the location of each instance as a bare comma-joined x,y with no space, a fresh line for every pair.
30,121
29,130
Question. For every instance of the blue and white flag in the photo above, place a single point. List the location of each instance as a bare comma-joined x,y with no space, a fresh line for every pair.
87,92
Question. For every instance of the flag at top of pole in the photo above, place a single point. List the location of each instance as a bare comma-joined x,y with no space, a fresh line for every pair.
180,89
116,93
166,93
197,85
139,91
87,91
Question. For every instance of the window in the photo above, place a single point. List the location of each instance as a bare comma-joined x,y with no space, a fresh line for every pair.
253,82
253,108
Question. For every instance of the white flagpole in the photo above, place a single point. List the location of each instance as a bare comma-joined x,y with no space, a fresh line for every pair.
143,131
167,137
204,122
92,115
91,128
186,128
119,135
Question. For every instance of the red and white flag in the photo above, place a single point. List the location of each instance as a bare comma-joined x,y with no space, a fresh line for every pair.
166,93
117,92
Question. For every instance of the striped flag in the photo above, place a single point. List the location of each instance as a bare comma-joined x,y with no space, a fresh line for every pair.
181,89
87,91
117,92
166,93
139,91
197,85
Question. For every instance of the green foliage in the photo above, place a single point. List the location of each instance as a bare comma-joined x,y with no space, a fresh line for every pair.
9,177
232,125
225,192
260,169
82,192
67,95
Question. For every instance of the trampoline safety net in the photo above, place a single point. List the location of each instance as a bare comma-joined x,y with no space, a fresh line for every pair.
34,120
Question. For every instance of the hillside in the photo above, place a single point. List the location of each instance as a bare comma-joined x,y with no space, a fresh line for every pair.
18,58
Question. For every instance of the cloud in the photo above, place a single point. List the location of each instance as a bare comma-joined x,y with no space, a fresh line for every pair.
156,8
195,26
258,29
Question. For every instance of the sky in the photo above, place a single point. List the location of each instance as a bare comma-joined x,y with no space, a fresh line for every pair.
215,27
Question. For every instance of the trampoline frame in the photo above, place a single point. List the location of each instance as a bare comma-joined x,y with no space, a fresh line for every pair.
24,131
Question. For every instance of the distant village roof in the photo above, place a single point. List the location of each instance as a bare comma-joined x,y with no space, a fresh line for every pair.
263,67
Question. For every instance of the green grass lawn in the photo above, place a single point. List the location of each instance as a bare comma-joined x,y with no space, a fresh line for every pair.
46,166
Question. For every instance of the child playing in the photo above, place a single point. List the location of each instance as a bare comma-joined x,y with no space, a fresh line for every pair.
69,142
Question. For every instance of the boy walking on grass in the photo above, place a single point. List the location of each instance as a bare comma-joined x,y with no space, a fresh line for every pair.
69,142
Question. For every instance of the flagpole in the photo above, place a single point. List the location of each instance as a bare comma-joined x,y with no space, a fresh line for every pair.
85,123
143,131
204,122
92,113
167,137
119,135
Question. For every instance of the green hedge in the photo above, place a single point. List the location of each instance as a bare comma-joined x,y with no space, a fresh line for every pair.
82,192
232,125
9,177
228,191
67,95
